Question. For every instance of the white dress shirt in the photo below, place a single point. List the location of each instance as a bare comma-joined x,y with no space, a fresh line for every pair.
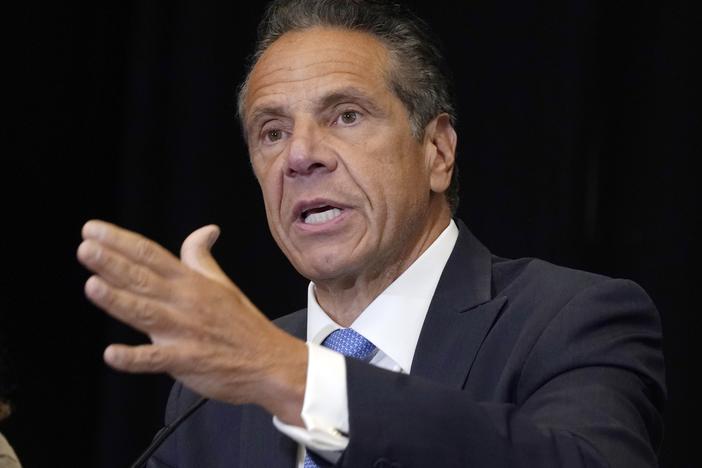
392,322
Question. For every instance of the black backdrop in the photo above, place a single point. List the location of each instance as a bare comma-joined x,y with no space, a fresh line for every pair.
576,139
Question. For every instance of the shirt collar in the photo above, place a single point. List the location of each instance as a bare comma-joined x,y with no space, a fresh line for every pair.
393,321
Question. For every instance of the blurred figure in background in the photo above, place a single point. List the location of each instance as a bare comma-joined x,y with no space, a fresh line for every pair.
8,457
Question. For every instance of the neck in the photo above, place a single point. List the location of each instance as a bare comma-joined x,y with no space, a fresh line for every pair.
344,299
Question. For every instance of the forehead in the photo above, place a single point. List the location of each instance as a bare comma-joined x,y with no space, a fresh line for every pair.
303,65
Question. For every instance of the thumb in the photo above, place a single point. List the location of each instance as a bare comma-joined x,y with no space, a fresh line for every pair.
195,253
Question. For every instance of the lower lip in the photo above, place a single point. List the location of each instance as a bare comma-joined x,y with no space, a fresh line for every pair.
324,227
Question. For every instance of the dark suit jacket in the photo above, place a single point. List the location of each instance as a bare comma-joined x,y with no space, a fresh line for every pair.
520,363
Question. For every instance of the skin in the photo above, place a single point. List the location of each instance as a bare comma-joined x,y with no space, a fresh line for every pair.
323,127
322,124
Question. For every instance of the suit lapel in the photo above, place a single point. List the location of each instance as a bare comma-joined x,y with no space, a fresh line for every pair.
460,315
261,443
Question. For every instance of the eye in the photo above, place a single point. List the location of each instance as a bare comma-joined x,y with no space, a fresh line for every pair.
273,135
348,117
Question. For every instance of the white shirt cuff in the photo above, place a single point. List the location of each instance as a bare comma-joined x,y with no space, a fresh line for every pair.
325,408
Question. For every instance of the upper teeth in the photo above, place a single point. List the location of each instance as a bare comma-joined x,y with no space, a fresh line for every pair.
322,216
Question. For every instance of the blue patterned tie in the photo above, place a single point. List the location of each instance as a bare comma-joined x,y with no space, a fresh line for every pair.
352,344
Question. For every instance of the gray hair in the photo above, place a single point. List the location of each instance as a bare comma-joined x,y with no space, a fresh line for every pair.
418,75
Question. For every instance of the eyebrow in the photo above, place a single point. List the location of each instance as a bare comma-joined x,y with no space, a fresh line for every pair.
274,111
348,93
334,97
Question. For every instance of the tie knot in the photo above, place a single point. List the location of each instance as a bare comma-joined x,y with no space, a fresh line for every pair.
350,343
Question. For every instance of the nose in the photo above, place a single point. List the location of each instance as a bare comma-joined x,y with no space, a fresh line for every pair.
307,152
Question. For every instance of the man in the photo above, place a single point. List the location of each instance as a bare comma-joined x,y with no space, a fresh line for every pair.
470,359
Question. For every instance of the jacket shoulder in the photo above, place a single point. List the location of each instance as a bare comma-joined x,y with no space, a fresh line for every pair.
524,277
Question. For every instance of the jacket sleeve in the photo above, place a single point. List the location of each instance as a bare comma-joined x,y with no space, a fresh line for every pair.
589,393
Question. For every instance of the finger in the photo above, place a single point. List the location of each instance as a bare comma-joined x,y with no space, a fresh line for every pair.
133,246
145,314
142,358
122,272
195,253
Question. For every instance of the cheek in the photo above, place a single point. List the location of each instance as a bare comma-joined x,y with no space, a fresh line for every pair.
270,194
402,174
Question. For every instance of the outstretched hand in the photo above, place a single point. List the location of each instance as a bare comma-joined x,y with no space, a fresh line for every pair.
204,331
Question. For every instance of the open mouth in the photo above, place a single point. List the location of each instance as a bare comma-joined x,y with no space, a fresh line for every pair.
321,214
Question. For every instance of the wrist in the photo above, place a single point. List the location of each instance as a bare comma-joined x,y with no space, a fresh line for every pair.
286,380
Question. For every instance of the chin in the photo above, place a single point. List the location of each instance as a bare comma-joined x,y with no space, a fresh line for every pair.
325,268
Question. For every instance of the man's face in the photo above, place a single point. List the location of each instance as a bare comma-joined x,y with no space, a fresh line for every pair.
347,187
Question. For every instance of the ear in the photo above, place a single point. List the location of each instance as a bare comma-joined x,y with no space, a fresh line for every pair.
440,140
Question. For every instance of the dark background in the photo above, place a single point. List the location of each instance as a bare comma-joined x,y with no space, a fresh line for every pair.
577,137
